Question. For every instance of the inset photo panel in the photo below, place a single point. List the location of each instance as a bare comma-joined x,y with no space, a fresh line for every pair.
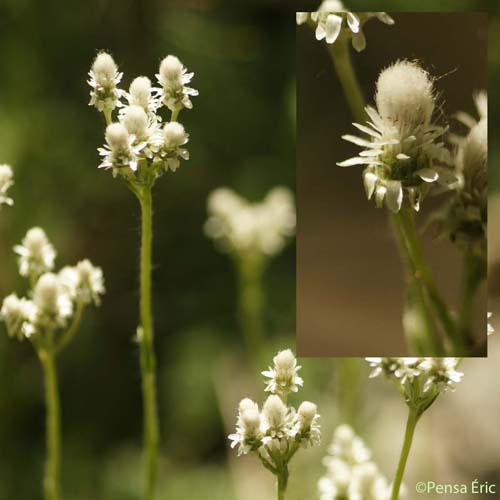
391,183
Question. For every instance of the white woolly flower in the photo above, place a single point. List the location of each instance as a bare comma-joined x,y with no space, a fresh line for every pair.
308,429
142,94
283,376
52,301
248,434
119,153
36,253
84,282
274,414
399,369
251,228
17,313
104,78
351,475
440,373
333,21
403,154
171,150
6,181
174,78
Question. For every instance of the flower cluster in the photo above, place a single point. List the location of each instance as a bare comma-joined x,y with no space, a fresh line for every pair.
277,431
53,298
332,21
466,216
351,474
6,181
139,146
403,153
257,228
420,380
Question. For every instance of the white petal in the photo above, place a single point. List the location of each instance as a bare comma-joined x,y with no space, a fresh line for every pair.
353,22
367,130
359,41
394,196
358,161
427,174
369,181
385,18
371,152
357,140
402,156
465,118
379,195
320,32
332,27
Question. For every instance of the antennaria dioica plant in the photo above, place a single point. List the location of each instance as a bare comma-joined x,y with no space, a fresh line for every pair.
275,433
49,317
408,154
251,233
139,149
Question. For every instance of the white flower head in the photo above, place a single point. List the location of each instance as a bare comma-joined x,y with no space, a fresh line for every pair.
6,181
171,151
248,428
440,373
404,157
348,446
174,79
104,78
142,94
83,282
308,428
398,369
283,375
36,253
119,153
368,483
135,120
17,313
251,228
332,21
274,414
52,301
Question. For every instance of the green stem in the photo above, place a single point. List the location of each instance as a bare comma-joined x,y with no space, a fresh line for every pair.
433,343
53,438
250,273
341,57
411,423
71,331
150,410
406,222
282,481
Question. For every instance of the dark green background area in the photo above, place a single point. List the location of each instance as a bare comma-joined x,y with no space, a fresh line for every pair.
242,135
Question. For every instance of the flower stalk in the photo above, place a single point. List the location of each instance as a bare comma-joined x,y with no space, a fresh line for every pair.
411,424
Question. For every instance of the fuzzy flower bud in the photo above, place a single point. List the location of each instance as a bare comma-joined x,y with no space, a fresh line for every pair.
307,411
140,92
16,313
104,77
274,413
84,282
171,70
405,95
136,121
117,136
174,135
53,303
283,377
36,253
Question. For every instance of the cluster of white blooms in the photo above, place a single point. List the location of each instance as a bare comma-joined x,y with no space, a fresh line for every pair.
6,181
283,375
403,153
421,380
351,474
139,145
52,297
332,21
242,227
466,218
276,432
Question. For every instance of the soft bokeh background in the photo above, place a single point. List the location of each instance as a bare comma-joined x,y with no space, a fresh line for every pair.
242,135
348,258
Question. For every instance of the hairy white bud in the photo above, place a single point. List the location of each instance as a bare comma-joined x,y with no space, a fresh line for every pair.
307,411
174,135
117,136
171,70
405,95
105,70
36,253
140,91
136,121
15,312
274,412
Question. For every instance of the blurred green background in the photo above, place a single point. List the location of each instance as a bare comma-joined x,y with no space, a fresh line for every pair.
242,135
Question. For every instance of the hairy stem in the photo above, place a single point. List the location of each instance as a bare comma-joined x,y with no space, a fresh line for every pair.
53,438
150,410
411,423
341,57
